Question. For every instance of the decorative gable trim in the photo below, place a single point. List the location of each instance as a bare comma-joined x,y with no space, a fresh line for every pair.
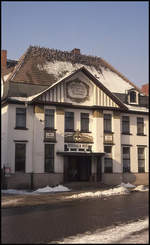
55,92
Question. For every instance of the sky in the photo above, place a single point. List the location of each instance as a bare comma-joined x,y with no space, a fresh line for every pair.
116,31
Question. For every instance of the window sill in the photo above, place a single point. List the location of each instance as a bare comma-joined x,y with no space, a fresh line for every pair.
108,132
51,129
20,128
126,133
70,130
85,131
141,134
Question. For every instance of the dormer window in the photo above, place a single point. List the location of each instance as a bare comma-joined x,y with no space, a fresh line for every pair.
132,96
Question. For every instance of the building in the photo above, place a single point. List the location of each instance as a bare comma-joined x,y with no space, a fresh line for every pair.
71,117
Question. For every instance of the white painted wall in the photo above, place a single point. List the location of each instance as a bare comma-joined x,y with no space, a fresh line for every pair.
135,140
4,136
35,138
20,135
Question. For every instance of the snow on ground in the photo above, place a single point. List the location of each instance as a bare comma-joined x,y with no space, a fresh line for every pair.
135,232
47,189
121,189
52,189
128,185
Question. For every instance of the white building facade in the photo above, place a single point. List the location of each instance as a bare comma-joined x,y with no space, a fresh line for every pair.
75,130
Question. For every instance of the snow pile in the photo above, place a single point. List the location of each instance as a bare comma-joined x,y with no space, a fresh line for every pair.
114,191
128,185
44,190
47,189
16,192
124,233
141,188
52,189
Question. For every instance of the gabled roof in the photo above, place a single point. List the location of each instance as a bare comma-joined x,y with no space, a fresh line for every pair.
93,79
46,66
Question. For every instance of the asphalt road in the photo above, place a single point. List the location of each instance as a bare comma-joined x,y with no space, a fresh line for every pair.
43,224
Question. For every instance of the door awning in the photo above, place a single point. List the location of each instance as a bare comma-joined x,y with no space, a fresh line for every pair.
75,153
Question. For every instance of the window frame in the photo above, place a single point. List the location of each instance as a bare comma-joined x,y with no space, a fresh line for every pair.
108,160
124,158
125,125
84,119
49,158
23,158
141,169
23,116
140,125
49,117
107,123
69,125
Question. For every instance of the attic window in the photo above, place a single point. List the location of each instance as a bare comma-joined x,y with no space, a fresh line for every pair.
133,97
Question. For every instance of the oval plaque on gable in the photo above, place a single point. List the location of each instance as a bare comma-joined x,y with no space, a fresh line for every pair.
77,90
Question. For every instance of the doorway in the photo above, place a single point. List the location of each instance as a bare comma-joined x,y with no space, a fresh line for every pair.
77,168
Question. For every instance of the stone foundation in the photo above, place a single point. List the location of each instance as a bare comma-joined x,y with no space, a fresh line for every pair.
35,181
32,181
132,178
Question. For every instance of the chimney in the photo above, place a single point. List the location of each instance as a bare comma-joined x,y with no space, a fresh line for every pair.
145,89
76,51
3,59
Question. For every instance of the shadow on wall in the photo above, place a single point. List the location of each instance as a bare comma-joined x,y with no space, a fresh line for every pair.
132,178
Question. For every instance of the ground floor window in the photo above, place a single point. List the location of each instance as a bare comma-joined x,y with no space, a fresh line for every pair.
49,158
20,154
141,159
108,159
126,159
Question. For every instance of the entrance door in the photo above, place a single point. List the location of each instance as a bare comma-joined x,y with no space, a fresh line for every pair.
77,168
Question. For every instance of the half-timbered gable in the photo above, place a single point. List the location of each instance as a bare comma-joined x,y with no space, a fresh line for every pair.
80,88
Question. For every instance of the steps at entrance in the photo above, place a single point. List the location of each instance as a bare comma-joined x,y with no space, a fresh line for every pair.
84,185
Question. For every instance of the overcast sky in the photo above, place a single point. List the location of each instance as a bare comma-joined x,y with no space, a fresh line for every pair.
114,31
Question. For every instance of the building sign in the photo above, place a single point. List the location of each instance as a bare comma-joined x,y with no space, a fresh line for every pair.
77,147
77,90
108,138
50,135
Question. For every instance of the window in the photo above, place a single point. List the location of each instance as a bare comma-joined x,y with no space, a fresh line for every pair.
108,159
107,123
49,118
20,153
141,159
132,97
85,122
125,125
126,159
20,117
49,158
69,121
140,125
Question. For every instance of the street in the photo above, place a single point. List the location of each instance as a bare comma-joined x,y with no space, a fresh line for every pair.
54,222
